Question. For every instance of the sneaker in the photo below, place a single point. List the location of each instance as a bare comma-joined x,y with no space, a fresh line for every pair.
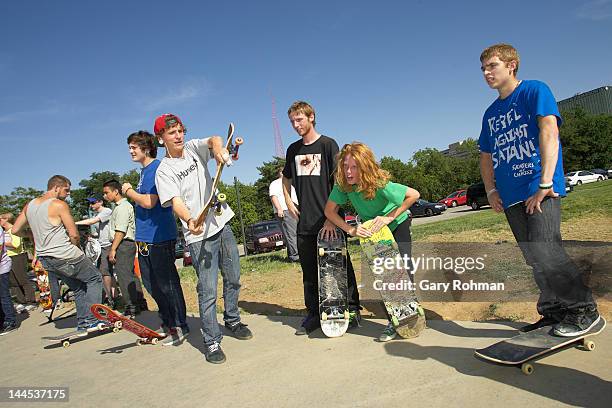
577,323
163,330
30,307
175,336
309,324
354,319
214,354
240,330
91,327
7,328
19,308
388,334
544,321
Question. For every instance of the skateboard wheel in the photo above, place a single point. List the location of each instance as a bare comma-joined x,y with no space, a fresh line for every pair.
324,316
221,198
101,326
589,345
119,324
66,343
116,329
421,311
239,141
139,342
154,340
527,368
394,321
321,251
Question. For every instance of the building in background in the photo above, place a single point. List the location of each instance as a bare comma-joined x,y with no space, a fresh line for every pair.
596,102
453,151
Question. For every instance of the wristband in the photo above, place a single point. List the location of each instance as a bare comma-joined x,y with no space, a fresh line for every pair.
545,186
493,190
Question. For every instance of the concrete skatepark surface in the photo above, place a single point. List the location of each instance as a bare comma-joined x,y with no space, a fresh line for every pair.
277,368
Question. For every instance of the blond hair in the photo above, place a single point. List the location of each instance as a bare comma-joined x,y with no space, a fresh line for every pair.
303,107
505,52
372,177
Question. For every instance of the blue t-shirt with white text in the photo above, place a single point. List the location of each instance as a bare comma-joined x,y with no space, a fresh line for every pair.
156,224
511,134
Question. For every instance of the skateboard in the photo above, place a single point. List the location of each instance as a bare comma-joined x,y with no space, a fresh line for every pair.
333,284
216,200
66,338
402,306
117,320
42,281
521,350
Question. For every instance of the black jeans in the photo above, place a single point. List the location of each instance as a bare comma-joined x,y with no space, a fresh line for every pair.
307,249
539,237
160,278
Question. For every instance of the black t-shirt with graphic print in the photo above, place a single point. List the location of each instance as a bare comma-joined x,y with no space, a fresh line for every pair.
311,170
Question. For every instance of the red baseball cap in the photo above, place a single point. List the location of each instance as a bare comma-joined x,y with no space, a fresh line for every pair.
165,121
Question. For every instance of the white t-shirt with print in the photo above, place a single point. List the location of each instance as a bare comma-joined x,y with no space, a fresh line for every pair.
188,178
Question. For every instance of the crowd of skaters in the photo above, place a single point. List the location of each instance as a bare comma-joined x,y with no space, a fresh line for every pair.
323,178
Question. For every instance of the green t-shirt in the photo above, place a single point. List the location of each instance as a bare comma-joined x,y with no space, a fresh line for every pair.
386,200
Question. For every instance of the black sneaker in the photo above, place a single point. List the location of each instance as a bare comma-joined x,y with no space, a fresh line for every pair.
544,321
7,328
577,322
214,354
240,330
309,324
354,319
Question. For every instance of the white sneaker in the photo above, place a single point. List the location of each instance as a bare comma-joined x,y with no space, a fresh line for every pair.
29,308
19,308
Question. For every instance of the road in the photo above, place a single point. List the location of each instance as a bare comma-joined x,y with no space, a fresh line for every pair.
448,214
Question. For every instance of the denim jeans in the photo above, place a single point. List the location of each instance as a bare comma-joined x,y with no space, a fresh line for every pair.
288,225
208,255
539,238
5,300
161,279
83,279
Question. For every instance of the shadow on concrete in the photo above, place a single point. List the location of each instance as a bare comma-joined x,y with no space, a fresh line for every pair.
566,385
453,329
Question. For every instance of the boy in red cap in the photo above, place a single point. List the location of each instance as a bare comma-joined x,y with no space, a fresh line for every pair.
183,181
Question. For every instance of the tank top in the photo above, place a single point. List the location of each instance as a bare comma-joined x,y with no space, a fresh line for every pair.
50,240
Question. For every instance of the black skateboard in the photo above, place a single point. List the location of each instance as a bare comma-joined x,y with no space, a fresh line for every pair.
521,350
333,284
66,338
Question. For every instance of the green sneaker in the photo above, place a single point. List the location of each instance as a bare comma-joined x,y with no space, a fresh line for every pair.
354,319
388,334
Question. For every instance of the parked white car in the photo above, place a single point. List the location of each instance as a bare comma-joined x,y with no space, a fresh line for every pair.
583,176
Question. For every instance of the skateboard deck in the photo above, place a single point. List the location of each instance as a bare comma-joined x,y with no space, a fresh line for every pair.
216,200
67,338
402,306
42,282
333,284
522,349
116,319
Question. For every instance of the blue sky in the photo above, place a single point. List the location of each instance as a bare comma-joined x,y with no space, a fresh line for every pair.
77,77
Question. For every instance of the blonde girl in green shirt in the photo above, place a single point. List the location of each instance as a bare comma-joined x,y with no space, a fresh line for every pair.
360,180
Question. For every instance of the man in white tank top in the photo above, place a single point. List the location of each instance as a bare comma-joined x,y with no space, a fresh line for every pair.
57,247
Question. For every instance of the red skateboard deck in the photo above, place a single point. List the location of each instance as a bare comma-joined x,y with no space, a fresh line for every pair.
116,319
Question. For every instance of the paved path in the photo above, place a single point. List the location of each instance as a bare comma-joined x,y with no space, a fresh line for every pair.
277,368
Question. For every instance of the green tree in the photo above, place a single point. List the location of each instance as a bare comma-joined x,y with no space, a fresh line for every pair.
586,140
17,199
